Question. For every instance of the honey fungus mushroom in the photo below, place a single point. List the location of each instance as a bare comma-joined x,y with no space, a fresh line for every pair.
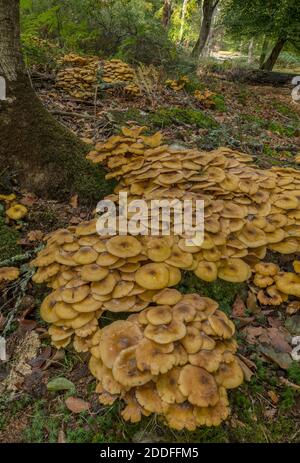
248,212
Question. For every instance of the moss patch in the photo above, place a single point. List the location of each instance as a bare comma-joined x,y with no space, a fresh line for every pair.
8,242
221,291
166,117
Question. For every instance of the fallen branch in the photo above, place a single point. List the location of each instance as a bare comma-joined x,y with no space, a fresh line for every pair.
71,114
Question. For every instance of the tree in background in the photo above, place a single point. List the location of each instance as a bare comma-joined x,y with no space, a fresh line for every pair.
167,13
47,158
208,10
274,20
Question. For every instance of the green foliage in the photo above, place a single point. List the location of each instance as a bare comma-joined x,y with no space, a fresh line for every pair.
8,241
294,372
287,399
165,117
221,291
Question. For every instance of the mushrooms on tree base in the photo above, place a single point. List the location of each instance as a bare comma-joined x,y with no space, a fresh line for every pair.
176,360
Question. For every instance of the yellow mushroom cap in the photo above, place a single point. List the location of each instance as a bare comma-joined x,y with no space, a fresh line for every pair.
9,273
288,283
159,315
266,269
181,416
198,386
164,334
208,359
116,337
16,212
149,399
167,386
234,270
153,276
124,246
154,357
296,265
229,375
167,297
125,369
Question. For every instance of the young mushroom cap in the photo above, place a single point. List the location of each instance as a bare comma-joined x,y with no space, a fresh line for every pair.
266,269
16,212
262,281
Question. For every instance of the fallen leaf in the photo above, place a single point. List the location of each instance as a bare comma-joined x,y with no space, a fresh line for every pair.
293,325
251,303
246,370
270,413
77,405
74,201
277,338
38,361
282,359
252,332
27,325
273,396
35,235
60,384
238,308
293,307
28,199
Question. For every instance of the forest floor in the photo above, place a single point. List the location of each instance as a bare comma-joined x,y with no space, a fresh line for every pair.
260,120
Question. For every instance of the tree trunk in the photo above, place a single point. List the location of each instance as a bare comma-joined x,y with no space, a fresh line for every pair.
264,51
251,51
208,9
271,61
46,158
167,13
182,19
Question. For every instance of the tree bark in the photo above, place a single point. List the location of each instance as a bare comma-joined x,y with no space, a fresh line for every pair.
167,13
46,158
208,9
269,64
251,51
182,19
264,51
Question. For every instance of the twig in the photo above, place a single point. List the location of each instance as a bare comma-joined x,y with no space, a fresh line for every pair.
71,114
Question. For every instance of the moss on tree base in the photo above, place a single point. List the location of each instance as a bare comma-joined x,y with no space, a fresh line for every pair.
47,158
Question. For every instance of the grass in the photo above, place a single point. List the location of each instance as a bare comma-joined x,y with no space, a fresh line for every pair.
166,117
